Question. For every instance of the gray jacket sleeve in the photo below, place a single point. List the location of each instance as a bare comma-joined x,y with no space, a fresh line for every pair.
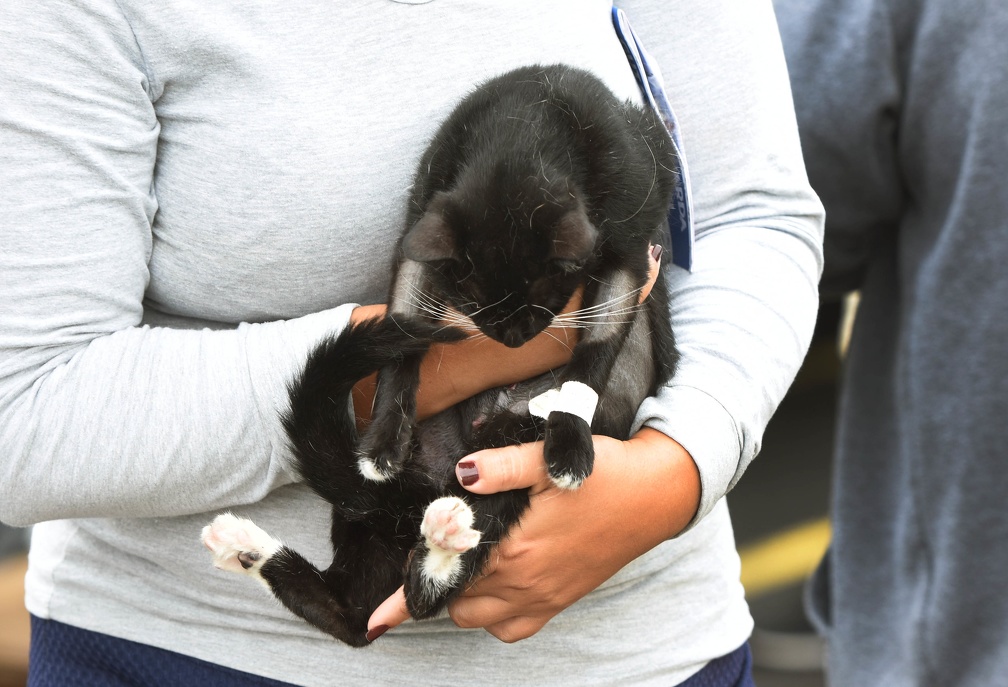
100,416
839,52
744,317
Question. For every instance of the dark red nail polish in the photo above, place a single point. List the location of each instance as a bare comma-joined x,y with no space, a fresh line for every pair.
467,473
656,251
376,632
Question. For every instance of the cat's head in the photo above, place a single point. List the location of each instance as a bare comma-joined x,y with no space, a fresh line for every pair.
509,261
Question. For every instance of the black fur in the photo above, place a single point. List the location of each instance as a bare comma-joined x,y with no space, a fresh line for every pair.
539,181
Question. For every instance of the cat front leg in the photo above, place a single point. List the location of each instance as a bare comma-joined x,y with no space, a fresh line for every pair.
568,447
568,450
386,444
611,306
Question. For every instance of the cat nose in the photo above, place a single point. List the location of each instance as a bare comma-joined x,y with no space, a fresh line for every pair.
512,337
514,334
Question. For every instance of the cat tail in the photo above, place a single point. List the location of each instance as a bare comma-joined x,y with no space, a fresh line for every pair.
319,422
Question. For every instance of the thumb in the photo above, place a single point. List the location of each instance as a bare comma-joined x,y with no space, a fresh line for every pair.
503,469
390,613
654,266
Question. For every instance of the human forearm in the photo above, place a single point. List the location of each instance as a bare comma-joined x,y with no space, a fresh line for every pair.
663,485
743,321
453,372
152,422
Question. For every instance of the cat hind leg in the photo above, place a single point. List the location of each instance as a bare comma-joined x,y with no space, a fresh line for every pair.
239,545
447,526
437,567
319,597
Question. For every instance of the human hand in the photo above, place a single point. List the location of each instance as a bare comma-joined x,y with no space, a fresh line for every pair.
569,542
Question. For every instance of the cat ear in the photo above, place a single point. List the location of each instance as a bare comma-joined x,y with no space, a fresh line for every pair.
431,238
574,237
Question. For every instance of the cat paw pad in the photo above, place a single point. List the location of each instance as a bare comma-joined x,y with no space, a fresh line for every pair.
447,528
238,544
447,525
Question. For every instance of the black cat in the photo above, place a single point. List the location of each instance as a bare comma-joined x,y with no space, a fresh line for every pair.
540,181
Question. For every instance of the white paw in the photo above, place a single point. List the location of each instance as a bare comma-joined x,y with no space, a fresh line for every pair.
447,527
367,468
238,544
567,482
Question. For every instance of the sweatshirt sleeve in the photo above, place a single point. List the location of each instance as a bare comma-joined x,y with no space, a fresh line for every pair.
743,318
100,416
841,52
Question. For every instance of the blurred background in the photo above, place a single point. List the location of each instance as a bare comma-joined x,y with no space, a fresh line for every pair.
779,511
13,616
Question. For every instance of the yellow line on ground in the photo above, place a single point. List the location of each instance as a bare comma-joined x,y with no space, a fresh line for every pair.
784,558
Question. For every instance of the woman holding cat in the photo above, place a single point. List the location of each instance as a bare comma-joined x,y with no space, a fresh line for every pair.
194,194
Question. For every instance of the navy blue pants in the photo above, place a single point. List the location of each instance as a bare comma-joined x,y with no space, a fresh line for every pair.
731,670
67,656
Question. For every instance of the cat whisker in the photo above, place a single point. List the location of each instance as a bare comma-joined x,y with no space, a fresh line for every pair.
607,306
573,324
432,308
557,338
610,309
423,300
602,312
532,214
654,178
600,317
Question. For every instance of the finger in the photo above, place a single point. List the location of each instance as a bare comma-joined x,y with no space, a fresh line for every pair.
390,613
516,629
503,469
479,611
654,265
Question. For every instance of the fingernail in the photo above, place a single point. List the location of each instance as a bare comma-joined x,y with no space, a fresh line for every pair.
467,473
376,632
656,251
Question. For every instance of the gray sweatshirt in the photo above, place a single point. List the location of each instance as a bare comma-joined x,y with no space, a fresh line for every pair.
193,193
903,109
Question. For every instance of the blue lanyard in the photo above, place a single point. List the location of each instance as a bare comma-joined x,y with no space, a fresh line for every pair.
649,78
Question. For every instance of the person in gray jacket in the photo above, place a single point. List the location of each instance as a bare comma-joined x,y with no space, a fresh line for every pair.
193,194
903,116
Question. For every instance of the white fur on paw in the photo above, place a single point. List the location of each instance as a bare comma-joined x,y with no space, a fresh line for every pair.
567,482
370,471
447,527
239,545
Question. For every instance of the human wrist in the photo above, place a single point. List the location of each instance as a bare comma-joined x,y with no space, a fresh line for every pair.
667,484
